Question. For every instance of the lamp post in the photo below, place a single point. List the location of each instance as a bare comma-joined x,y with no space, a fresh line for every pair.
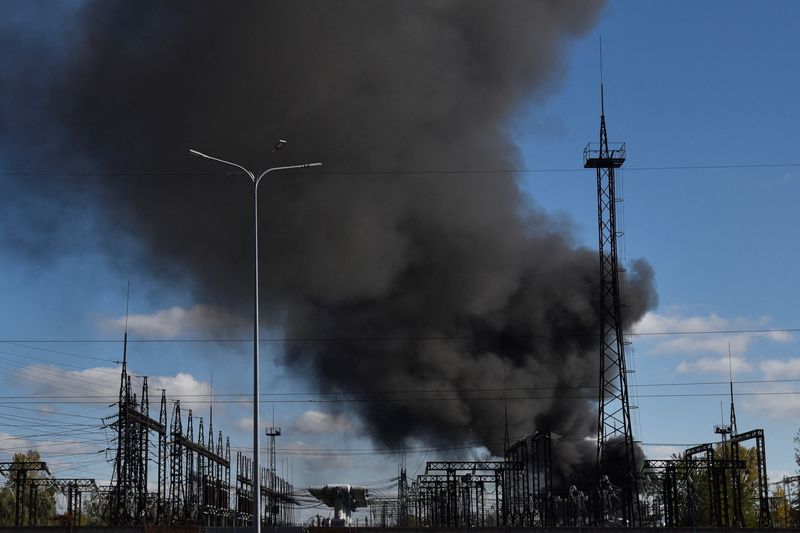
256,396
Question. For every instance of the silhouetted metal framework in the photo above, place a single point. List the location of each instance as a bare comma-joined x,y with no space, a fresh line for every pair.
452,493
243,516
72,488
717,488
517,485
18,473
764,518
576,509
542,476
402,489
162,458
26,490
383,512
614,421
199,474
789,510
281,497
676,501
273,507
177,489
451,499
128,495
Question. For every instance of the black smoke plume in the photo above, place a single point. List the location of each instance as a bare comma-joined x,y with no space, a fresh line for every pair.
446,283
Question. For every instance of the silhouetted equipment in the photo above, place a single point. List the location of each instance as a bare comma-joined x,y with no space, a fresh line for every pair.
764,518
402,488
718,501
26,490
18,473
72,488
451,493
516,491
272,508
344,499
787,507
517,500
542,474
128,497
198,488
676,493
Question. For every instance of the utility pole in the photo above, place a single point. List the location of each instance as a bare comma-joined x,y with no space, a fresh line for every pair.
256,314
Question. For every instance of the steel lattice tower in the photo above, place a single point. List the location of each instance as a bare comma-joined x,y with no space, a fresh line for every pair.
272,432
614,419
402,488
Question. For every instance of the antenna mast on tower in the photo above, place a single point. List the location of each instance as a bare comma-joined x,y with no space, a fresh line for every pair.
734,431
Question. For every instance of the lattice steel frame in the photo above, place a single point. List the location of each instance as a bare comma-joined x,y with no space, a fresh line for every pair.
613,420
764,517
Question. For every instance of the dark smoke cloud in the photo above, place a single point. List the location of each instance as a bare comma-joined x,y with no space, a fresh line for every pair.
478,289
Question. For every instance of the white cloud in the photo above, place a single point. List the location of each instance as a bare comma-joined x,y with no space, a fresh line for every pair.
661,451
58,454
98,381
319,422
780,369
102,383
11,444
316,461
656,323
183,386
777,475
695,342
708,365
176,321
780,401
244,424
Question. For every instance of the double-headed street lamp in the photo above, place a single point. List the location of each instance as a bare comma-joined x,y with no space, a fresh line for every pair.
256,180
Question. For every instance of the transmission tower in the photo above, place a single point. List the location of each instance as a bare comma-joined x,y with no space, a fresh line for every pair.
736,479
273,432
402,488
120,482
614,419
177,493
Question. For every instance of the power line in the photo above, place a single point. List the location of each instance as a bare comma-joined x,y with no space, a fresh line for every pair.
90,173
425,399
247,395
34,358
70,354
397,337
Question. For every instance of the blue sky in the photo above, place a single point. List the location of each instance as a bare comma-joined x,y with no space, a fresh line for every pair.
692,85
687,85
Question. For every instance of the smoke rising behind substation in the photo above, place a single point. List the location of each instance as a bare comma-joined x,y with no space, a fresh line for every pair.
476,287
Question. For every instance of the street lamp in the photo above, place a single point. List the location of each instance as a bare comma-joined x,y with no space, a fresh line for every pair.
256,180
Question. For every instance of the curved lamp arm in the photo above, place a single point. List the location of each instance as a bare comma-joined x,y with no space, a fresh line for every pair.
290,167
201,154
252,176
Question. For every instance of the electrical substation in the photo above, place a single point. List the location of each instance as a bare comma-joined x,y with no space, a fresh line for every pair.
171,469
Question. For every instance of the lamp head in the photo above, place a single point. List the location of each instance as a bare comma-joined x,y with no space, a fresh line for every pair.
280,143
